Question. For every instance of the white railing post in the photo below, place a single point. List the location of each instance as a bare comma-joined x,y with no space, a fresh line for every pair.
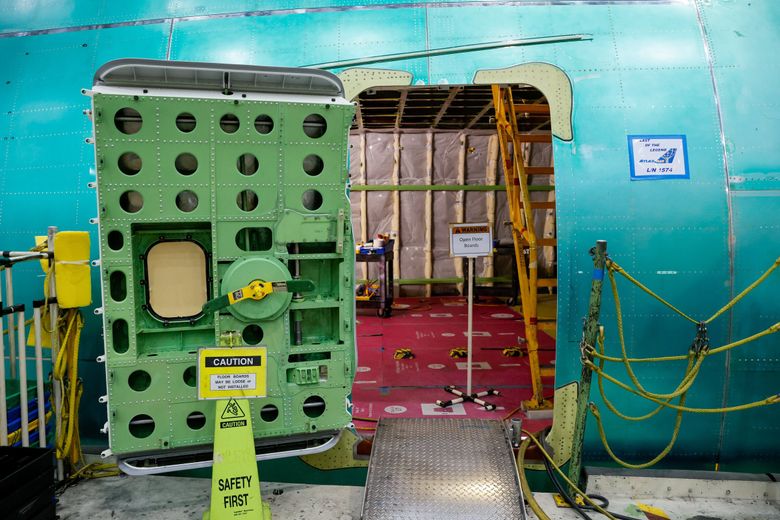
23,403
9,301
39,374
3,409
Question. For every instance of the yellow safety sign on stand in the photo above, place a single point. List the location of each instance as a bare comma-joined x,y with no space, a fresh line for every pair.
235,484
232,372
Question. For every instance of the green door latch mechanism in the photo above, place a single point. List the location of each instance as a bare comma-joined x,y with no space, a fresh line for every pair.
257,290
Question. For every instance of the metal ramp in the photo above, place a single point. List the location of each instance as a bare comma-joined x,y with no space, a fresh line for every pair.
442,468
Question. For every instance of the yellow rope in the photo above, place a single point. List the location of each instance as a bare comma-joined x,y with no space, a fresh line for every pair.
563,475
96,470
527,493
613,408
612,266
773,399
691,373
749,288
614,359
769,330
675,432
678,420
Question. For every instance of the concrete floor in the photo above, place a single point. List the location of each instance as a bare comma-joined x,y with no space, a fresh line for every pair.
674,508
678,495
178,498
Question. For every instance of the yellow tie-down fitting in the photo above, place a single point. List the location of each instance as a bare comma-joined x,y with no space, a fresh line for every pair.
256,290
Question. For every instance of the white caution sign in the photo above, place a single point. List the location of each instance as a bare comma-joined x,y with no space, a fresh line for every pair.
471,240
655,157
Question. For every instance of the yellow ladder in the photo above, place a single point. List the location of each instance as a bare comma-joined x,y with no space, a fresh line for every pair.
521,212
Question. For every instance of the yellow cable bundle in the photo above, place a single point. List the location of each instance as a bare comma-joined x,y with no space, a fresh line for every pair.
68,444
66,372
528,494
73,284
73,280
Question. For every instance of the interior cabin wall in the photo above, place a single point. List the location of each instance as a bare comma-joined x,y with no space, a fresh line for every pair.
474,155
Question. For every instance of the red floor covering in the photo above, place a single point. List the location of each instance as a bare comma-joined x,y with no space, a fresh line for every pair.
386,387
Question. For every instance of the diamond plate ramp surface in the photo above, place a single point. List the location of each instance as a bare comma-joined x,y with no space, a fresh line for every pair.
435,469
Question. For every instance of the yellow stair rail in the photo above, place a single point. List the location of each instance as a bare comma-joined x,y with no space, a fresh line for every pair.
521,212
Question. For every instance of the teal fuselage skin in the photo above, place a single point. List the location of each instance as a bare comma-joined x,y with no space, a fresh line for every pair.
705,70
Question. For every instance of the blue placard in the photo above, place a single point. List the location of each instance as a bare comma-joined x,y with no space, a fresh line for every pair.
654,157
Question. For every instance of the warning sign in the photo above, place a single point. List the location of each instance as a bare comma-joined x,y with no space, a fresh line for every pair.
235,486
232,372
469,229
471,239
233,416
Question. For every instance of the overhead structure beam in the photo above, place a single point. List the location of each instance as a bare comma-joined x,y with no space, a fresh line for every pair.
480,115
401,106
449,108
539,170
540,125
446,105
534,138
532,108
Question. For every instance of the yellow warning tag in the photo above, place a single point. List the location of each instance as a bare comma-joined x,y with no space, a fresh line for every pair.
235,485
45,336
655,511
232,372
561,502
469,229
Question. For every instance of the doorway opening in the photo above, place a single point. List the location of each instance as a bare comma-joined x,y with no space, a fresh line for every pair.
424,157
